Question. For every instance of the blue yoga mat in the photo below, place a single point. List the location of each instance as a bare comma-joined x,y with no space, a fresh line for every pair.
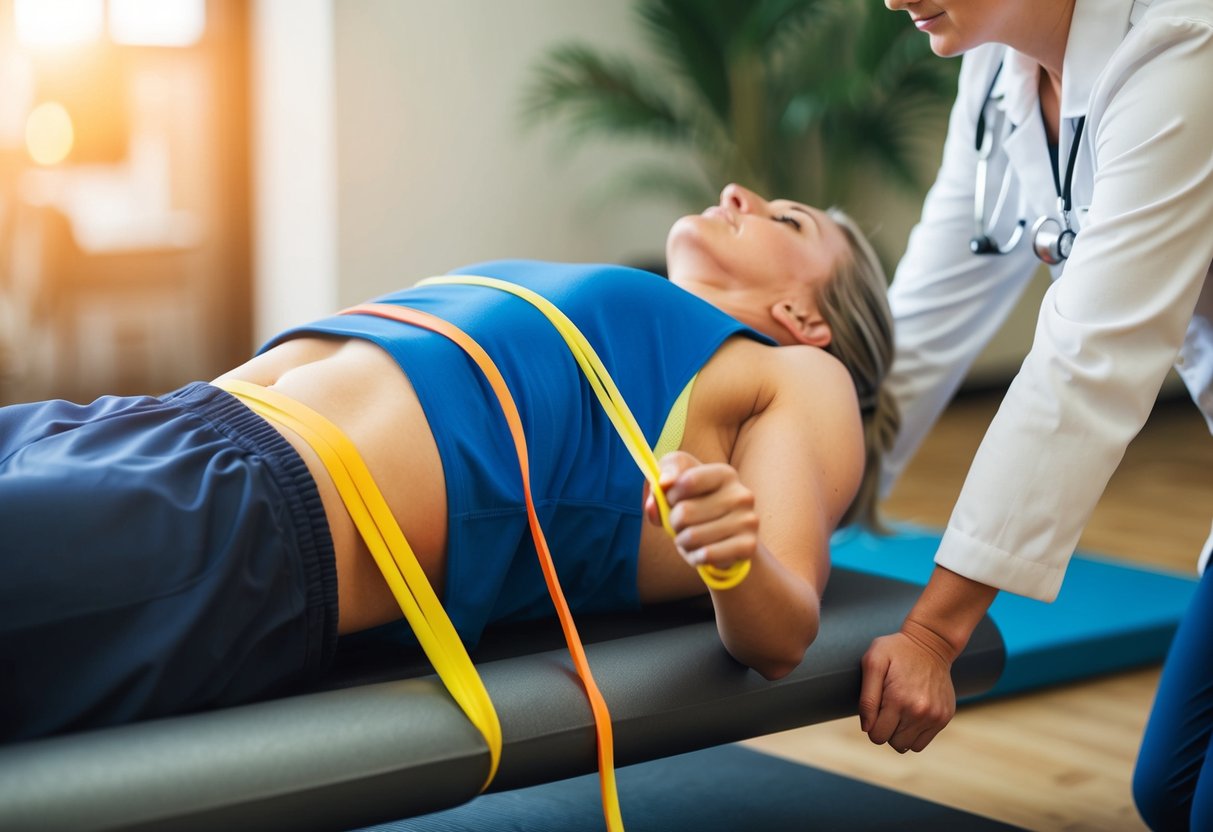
1110,615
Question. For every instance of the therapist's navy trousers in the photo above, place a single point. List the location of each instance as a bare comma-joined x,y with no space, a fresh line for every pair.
1173,782
157,555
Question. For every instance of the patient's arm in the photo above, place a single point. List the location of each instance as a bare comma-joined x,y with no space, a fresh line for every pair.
792,472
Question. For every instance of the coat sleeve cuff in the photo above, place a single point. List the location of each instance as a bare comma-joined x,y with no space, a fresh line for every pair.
979,561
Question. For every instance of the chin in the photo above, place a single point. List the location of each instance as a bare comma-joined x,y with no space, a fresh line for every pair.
685,235
691,224
950,44
946,50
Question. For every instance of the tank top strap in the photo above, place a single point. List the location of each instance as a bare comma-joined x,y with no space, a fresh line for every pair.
675,426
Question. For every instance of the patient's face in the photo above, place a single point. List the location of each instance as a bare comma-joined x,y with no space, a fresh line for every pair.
759,250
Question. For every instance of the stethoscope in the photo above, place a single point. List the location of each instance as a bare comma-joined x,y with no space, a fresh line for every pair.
1052,241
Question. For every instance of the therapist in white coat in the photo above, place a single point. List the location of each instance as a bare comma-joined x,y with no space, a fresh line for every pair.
1082,135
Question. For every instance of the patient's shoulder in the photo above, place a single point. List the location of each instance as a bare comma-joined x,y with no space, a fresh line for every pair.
785,369
753,378
804,367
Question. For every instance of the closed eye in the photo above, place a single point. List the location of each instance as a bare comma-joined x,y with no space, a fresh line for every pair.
790,220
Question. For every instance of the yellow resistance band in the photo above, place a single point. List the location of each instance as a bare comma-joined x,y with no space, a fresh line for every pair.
602,717
613,404
391,552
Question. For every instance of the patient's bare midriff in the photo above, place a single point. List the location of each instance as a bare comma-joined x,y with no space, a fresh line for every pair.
362,390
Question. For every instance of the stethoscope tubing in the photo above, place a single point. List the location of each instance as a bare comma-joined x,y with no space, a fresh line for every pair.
1051,241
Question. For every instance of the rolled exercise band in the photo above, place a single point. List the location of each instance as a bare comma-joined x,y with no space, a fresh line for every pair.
391,551
598,707
613,403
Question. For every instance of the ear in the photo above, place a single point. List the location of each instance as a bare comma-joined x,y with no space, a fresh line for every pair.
804,327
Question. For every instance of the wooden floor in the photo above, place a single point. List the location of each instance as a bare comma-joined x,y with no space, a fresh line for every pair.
1059,759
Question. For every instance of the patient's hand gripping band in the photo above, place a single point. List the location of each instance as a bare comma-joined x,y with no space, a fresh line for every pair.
602,717
613,403
391,551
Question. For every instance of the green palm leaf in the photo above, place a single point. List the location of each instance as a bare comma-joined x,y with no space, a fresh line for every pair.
594,94
793,97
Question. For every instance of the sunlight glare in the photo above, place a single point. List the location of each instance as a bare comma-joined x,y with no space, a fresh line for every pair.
157,22
58,22
48,133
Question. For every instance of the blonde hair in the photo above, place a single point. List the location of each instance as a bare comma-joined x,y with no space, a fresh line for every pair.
855,304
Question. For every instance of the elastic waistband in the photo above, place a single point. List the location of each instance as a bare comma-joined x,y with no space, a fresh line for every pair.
256,436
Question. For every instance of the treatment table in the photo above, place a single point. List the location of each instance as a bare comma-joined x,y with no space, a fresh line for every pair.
382,739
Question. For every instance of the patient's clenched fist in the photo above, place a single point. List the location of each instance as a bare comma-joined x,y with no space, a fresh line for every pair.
711,510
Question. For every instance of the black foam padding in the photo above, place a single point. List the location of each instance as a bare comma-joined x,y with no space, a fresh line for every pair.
729,788
377,746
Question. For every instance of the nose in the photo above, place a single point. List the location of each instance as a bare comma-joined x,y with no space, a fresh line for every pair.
739,199
895,5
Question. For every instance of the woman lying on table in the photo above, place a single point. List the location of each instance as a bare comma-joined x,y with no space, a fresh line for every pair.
173,553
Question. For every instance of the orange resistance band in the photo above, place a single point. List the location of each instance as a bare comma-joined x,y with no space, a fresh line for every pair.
602,717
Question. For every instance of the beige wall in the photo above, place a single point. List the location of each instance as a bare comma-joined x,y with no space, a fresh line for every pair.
406,112
434,167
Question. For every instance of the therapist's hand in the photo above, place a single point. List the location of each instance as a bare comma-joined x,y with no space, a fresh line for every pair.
907,696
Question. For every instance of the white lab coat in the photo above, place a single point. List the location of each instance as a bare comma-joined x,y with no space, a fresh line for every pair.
1119,312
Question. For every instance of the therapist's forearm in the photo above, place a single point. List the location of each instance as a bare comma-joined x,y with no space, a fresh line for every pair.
947,612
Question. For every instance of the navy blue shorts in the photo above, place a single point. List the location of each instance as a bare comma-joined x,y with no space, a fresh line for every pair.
157,555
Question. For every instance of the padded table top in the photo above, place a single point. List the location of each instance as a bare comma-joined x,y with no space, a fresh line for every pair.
383,740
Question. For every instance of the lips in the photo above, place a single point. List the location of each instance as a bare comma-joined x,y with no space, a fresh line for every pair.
716,212
924,23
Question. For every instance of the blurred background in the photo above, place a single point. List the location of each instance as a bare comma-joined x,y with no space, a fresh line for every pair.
179,179
124,194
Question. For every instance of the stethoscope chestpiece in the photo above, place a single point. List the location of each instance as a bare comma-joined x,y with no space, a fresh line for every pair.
1052,241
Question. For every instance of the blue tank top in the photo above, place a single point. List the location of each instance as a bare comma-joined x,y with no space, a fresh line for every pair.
652,337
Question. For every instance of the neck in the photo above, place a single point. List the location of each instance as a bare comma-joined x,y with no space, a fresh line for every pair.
1044,37
738,303
1048,47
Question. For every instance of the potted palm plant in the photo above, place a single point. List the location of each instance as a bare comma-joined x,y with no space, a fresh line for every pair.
796,98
